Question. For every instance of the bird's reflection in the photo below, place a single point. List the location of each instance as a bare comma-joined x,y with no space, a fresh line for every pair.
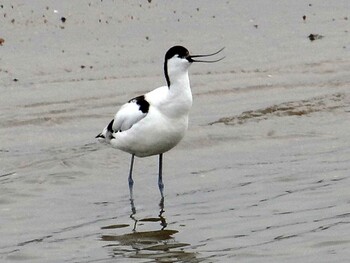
155,244
160,218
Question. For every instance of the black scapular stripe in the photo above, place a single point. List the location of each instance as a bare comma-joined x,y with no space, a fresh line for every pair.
142,102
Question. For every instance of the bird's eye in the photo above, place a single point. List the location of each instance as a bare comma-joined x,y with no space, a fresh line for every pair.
182,55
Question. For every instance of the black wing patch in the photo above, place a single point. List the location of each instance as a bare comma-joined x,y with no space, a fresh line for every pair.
110,130
142,102
110,126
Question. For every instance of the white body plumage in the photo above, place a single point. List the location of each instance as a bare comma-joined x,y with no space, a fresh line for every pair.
155,122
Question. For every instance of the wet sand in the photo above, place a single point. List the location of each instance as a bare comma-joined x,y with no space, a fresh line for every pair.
261,175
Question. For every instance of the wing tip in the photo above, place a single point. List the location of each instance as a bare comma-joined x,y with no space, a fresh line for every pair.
100,136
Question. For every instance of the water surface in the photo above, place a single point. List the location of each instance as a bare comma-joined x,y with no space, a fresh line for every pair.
262,174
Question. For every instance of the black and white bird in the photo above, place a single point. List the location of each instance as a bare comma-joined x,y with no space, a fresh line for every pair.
153,123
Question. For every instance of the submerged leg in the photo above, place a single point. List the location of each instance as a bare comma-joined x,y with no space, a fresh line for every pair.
133,213
131,181
163,222
160,175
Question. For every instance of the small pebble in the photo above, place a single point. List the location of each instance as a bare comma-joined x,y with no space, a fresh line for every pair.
313,37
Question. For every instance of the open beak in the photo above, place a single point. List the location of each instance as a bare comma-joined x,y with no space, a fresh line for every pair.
190,58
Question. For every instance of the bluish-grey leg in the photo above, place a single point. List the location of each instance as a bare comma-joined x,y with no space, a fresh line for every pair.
131,181
160,175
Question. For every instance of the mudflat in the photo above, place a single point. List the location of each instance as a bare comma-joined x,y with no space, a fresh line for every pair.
261,175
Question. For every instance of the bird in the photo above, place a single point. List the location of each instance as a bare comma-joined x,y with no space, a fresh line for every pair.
154,123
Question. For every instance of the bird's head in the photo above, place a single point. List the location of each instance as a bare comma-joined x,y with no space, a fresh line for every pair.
178,60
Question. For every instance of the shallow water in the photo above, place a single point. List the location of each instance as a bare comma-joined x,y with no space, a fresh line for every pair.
262,174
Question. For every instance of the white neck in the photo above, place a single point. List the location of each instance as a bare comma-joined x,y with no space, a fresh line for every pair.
179,90
179,82
180,93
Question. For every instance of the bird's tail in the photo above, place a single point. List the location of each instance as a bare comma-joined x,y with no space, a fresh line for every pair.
102,136
107,134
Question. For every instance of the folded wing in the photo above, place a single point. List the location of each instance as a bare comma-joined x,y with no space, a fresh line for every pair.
129,114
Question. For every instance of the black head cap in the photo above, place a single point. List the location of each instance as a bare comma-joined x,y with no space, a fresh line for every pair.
177,50
181,52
